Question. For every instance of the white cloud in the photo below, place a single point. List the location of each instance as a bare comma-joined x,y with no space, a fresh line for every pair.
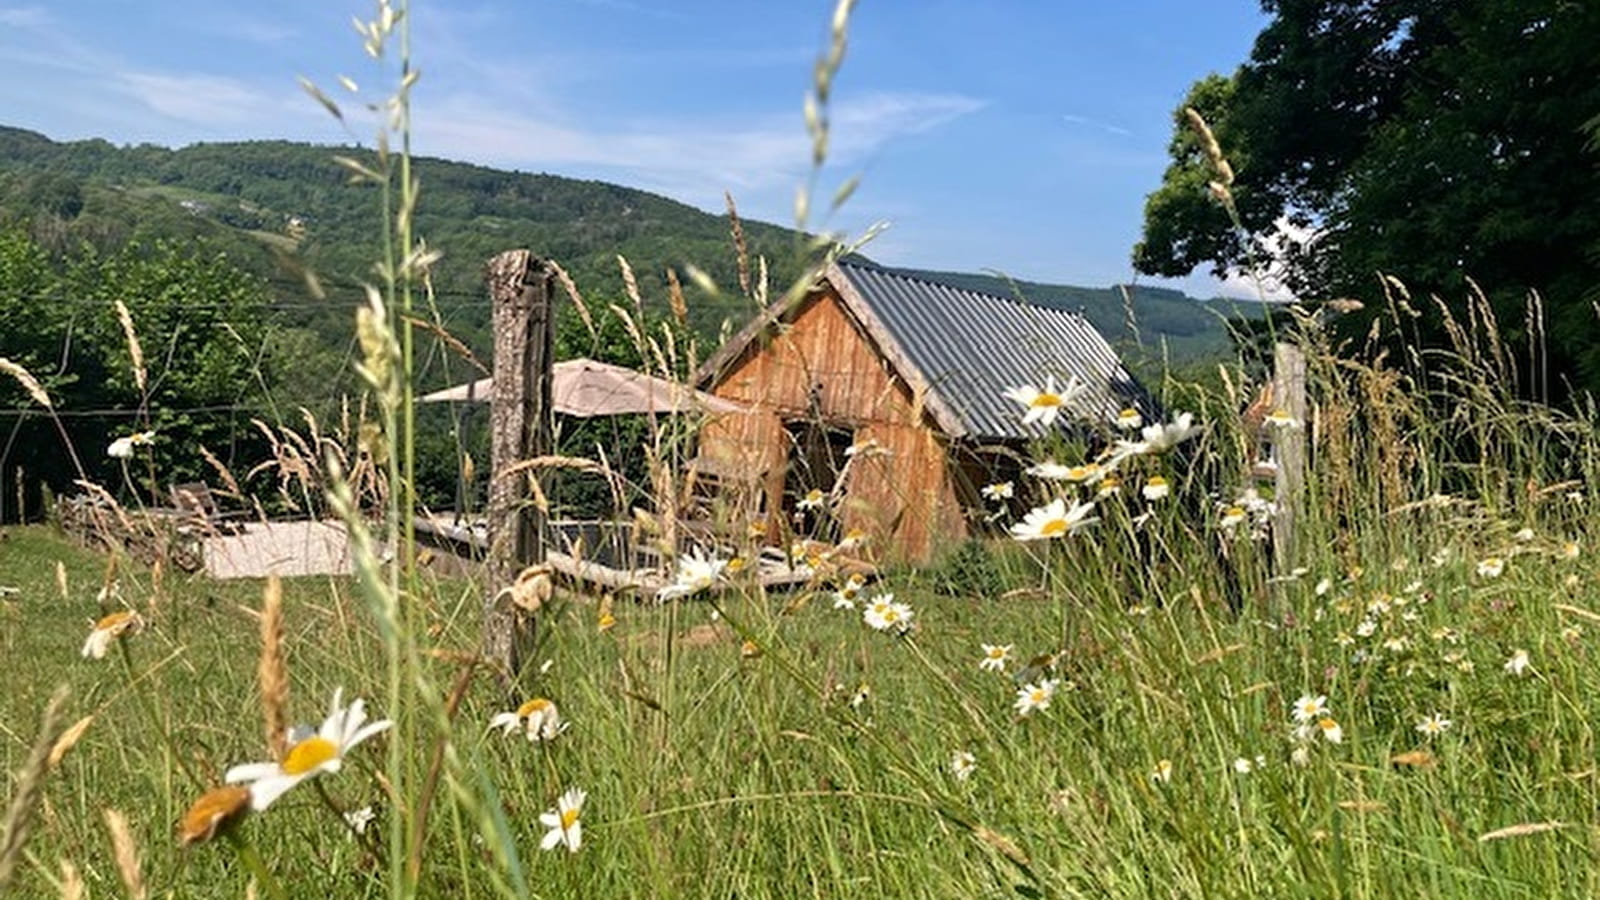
695,160
196,99
1118,130
32,17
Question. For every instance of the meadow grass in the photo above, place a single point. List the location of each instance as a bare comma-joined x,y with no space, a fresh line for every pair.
1434,624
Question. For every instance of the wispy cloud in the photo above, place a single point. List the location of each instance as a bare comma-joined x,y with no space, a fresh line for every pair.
1087,122
200,99
693,160
31,17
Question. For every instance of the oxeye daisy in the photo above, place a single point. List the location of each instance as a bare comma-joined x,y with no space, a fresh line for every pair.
122,447
564,822
999,490
343,729
884,614
1128,419
1518,663
1433,725
812,500
995,657
538,717
697,571
1162,773
1330,730
1491,567
108,629
1044,405
1156,488
1053,520
1280,418
1309,707
1049,470
962,765
1164,436
1032,698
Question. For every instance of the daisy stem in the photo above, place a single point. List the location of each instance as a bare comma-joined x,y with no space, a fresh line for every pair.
149,713
246,852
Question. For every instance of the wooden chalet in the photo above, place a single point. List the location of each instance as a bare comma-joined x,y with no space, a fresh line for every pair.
884,392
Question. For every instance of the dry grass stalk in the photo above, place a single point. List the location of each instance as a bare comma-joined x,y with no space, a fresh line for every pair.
272,670
571,287
29,383
68,740
1511,831
71,881
741,252
680,306
127,853
30,789
61,581
141,377
230,486
631,285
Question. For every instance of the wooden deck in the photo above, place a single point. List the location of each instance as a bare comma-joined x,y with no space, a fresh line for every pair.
470,540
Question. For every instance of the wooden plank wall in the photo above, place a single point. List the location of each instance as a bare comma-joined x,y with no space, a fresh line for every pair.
904,500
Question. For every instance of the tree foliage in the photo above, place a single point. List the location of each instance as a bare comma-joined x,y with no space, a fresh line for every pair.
1431,140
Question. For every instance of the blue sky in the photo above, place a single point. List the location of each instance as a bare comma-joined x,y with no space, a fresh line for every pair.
1014,135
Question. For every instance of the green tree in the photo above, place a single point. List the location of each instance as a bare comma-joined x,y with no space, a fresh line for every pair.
1434,140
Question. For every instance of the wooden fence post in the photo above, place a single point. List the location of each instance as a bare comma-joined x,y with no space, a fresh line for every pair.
520,421
1289,446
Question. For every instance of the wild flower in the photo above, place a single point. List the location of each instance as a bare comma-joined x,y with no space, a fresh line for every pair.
109,628
606,622
862,694
1433,725
1128,419
962,765
1366,628
1049,470
885,614
1245,765
342,731
1518,663
1155,488
1309,707
995,657
1330,729
1571,550
813,499
1043,406
1162,773
1300,756
1108,485
538,718
359,819
565,822
1232,518
1280,419
1036,697
697,571
999,490
1491,567
1088,473
123,447
1161,437
1053,520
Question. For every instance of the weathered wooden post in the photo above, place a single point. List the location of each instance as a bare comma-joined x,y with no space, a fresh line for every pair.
520,421
1289,451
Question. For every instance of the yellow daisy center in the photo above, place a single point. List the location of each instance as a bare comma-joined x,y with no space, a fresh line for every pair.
890,615
1327,724
531,707
1046,399
1053,527
569,818
308,754
997,653
1036,695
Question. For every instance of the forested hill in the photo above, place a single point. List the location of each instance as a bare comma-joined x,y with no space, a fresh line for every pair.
279,208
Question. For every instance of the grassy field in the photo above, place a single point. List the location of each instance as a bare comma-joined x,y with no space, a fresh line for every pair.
1167,763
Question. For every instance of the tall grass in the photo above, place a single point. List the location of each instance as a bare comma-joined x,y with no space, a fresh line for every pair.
740,743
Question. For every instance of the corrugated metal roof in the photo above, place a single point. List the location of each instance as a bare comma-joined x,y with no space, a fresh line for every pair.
969,347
